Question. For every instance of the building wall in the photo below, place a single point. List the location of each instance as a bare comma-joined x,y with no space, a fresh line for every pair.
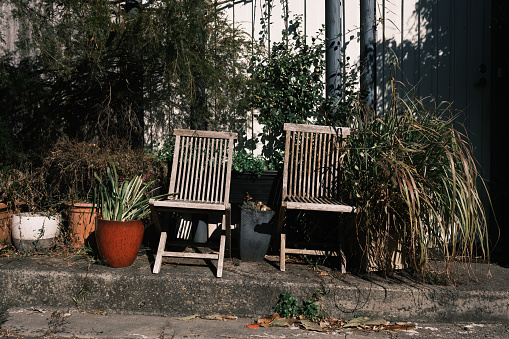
435,47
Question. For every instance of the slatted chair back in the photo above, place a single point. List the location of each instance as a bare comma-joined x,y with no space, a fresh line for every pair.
311,163
201,169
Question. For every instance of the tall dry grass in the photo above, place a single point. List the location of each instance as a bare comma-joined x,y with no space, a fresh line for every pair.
413,177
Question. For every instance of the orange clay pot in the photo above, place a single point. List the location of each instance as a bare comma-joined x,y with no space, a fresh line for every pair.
5,223
81,223
118,242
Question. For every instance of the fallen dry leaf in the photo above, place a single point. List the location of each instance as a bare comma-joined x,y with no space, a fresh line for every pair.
219,317
356,322
189,317
266,321
375,322
405,327
280,323
311,326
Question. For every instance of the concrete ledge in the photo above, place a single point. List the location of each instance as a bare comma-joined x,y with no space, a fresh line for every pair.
248,289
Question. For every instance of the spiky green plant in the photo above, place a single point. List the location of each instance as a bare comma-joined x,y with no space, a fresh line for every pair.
123,201
413,177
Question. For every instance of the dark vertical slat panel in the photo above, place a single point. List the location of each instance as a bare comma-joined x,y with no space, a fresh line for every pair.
445,65
461,61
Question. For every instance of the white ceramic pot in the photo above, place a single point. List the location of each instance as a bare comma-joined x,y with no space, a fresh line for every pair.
31,231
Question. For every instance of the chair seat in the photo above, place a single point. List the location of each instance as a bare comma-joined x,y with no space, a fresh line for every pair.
317,204
188,204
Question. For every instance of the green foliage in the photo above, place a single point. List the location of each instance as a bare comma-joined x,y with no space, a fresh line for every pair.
287,306
163,152
310,310
123,201
287,87
89,69
247,161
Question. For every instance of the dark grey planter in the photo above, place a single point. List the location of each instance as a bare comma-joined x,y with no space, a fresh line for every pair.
266,188
255,234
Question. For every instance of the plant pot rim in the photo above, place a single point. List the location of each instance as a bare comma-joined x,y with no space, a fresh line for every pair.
79,204
101,218
37,214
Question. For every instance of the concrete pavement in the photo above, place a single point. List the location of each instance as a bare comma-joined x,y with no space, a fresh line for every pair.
26,323
35,287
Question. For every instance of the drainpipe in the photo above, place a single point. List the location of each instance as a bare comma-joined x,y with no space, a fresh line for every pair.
333,36
368,51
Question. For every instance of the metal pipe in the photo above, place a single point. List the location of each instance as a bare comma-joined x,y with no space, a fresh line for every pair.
368,51
333,37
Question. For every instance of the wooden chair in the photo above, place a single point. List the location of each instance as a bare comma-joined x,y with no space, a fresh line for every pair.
310,178
200,177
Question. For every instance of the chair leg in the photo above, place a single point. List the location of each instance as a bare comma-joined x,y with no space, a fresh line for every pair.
342,246
227,221
282,244
282,253
159,255
220,260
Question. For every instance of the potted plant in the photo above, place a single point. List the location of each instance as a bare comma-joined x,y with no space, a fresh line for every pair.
255,230
119,227
250,174
71,165
5,223
35,220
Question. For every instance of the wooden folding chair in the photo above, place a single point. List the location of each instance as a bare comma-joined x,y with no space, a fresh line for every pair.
200,177
310,178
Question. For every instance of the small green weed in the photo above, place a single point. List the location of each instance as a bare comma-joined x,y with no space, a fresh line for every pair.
288,307
80,298
310,310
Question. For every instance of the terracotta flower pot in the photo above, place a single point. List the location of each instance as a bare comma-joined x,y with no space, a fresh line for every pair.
5,223
118,242
81,223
